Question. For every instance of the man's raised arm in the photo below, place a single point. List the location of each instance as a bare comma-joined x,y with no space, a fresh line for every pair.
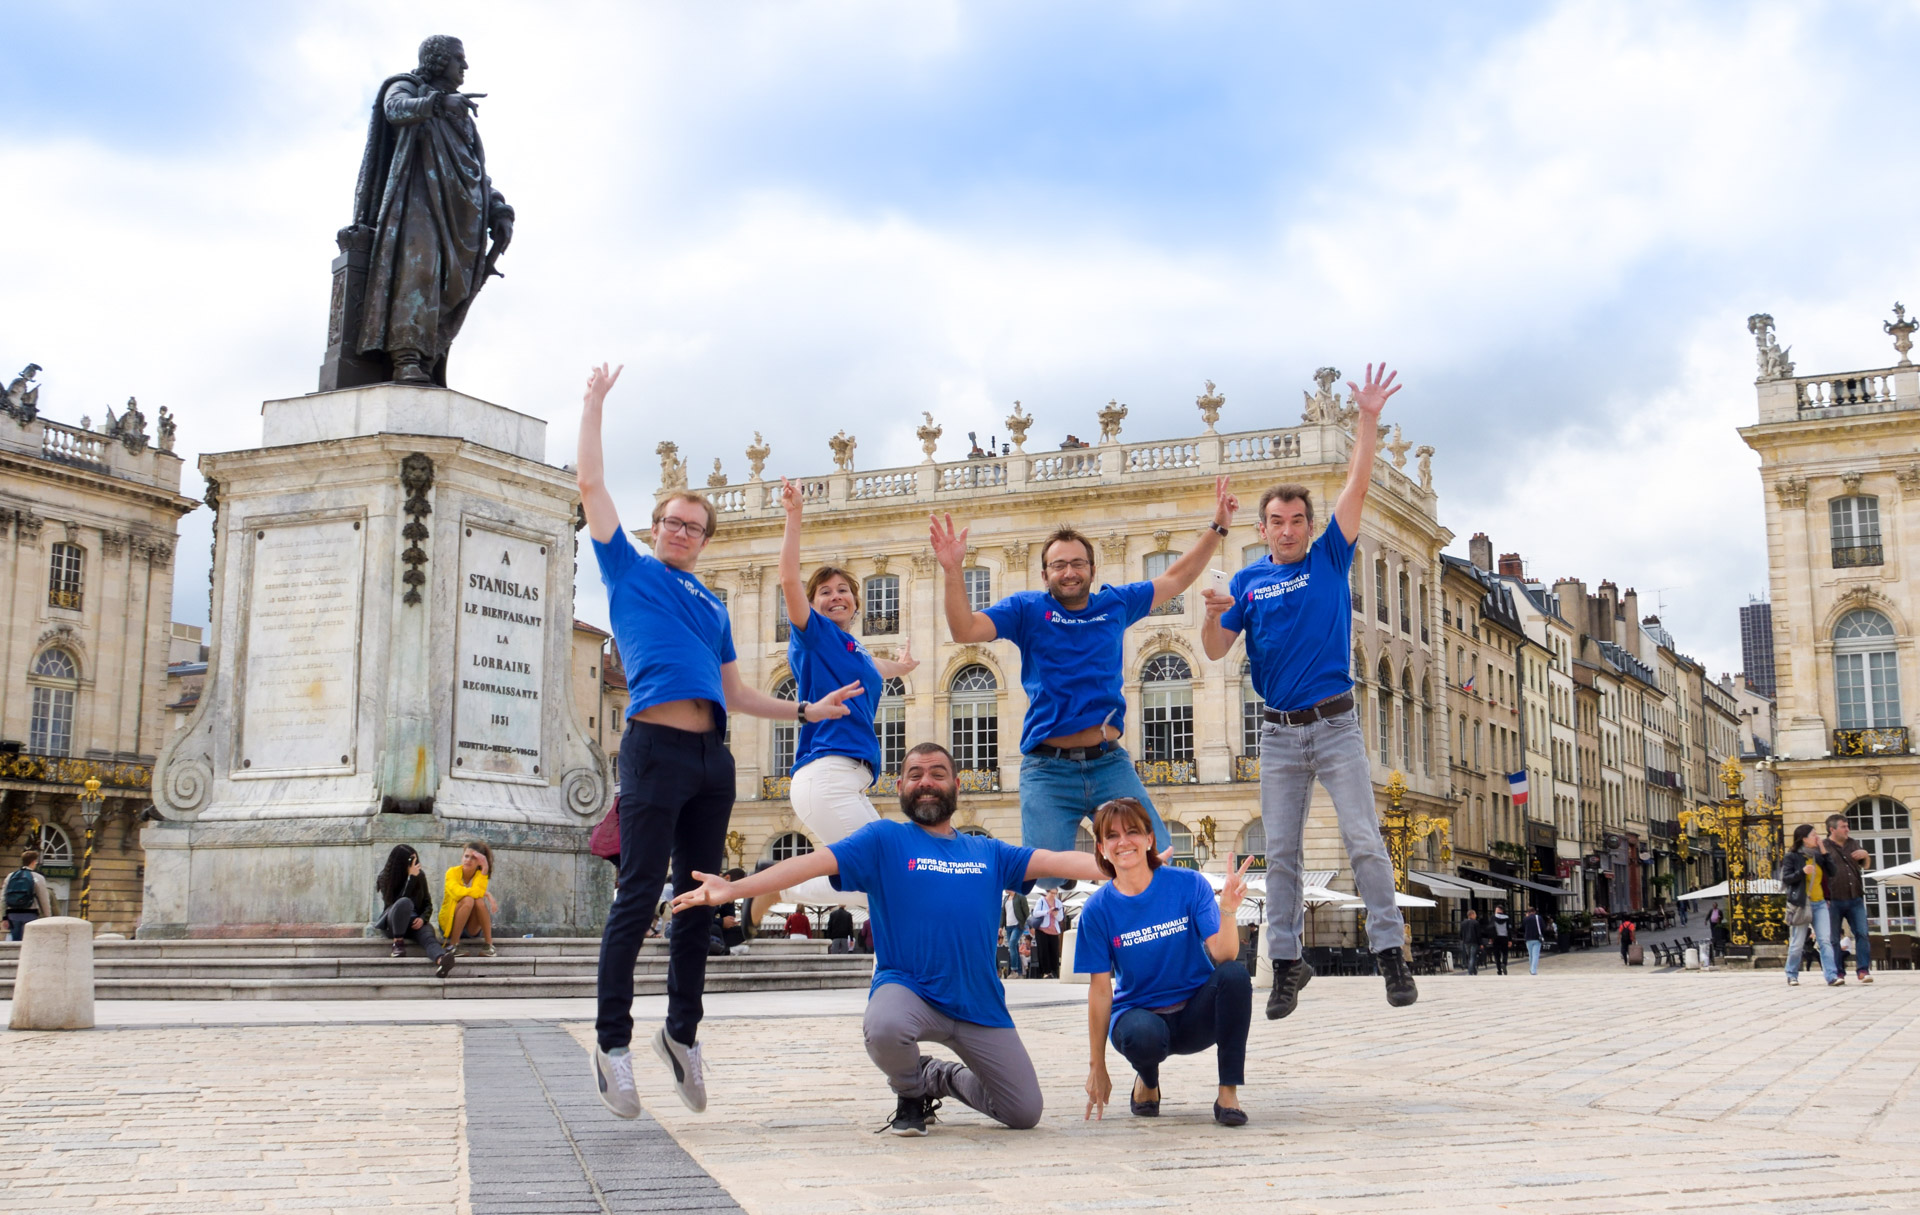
1366,441
950,549
1180,575
603,521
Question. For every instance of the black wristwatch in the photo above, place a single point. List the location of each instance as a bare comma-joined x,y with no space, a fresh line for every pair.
800,711
1216,527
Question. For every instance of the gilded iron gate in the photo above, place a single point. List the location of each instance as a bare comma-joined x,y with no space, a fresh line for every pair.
1752,836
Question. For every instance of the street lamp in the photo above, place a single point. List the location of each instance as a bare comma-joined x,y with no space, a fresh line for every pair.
1401,829
90,812
1203,841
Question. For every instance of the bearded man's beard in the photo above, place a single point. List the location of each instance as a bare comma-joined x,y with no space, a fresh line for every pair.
929,807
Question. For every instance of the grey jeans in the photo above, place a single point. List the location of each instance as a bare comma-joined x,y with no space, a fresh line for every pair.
994,1076
396,924
1332,750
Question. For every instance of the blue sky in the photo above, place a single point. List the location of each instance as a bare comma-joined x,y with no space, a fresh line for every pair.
799,217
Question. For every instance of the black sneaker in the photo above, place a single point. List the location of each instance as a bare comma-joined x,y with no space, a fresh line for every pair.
1399,976
445,966
909,1117
1288,979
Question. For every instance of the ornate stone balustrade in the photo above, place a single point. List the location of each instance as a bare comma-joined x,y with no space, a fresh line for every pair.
1879,388
71,445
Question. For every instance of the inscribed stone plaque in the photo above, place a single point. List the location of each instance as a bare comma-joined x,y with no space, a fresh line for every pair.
500,656
303,646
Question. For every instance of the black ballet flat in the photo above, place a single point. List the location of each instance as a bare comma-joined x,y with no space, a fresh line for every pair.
1229,1117
1144,1109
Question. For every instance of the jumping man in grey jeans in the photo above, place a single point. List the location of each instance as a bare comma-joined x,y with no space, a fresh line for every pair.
1296,610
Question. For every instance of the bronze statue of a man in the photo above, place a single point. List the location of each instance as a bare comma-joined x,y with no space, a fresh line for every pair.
417,251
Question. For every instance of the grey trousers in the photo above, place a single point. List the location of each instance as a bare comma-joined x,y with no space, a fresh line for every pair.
995,1076
1332,750
395,924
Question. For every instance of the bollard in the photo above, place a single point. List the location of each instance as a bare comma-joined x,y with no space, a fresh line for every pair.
1068,941
53,987
1262,970
1691,959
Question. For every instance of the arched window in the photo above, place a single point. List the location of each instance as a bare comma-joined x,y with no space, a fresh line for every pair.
1380,589
1406,603
1855,522
1406,719
973,715
1386,713
56,850
1252,842
1182,850
1155,565
1426,724
55,679
1881,827
890,726
786,731
1250,707
788,846
1166,709
1866,672
63,582
980,831
881,598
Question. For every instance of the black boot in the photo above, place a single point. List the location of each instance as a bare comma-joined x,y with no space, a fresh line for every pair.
1399,976
1288,979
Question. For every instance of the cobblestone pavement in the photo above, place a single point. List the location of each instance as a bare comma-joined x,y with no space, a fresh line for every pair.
1580,1091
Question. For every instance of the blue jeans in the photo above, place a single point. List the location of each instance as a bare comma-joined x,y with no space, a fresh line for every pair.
1533,957
1822,932
1014,933
1852,912
1216,1014
1333,751
1055,794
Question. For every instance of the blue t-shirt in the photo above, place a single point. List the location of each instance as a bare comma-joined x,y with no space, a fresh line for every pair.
935,903
1299,623
673,632
1070,661
1154,942
826,658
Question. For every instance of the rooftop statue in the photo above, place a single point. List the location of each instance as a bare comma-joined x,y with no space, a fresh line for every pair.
428,226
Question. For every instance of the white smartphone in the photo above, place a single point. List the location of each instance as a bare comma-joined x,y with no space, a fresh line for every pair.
1220,580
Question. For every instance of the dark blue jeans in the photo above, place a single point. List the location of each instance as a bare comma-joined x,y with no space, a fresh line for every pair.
1216,1014
1850,912
676,795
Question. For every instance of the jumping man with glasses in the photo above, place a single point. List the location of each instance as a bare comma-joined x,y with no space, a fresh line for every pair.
676,774
1071,638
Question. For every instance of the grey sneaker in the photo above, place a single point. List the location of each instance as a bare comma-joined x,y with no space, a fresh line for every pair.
613,1076
684,1061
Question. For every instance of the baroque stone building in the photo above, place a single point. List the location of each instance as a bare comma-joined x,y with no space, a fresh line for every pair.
1842,493
90,520
1191,723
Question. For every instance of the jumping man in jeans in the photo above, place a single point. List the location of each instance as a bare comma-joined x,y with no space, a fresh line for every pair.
676,774
1071,638
1296,610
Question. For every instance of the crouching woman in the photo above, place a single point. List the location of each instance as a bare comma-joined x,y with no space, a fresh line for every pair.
408,912
1159,950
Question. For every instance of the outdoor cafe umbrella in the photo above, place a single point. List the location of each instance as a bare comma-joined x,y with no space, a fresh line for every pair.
1898,875
1719,889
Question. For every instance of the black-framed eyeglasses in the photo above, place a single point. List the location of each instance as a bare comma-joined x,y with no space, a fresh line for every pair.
1061,567
693,531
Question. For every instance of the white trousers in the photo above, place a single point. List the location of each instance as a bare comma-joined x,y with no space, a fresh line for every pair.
830,796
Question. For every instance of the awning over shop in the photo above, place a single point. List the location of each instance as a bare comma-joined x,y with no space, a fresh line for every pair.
1505,879
1719,889
1448,885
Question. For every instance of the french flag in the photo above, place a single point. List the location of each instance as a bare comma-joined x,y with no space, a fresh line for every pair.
1517,786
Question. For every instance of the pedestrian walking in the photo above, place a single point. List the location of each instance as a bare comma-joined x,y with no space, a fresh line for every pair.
1163,976
1295,606
676,773
1716,934
1470,934
1014,911
1071,637
1626,941
1846,891
1803,876
407,909
27,896
1534,929
799,927
1049,920
935,894
1502,937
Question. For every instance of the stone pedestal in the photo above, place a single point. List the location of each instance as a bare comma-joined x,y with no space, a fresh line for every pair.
53,988
391,663
1070,941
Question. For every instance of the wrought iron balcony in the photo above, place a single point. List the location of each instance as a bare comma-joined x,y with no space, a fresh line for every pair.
63,599
65,770
889,783
879,623
1846,556
776,787
1246,767
1172,607
1884,740
979,780
1166,772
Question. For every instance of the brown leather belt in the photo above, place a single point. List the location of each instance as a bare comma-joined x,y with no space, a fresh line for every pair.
1302,717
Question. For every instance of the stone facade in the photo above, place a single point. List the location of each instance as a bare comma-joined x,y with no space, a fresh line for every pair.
88,527
1842,494
1141,502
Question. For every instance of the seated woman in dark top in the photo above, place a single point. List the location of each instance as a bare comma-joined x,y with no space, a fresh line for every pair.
409,909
